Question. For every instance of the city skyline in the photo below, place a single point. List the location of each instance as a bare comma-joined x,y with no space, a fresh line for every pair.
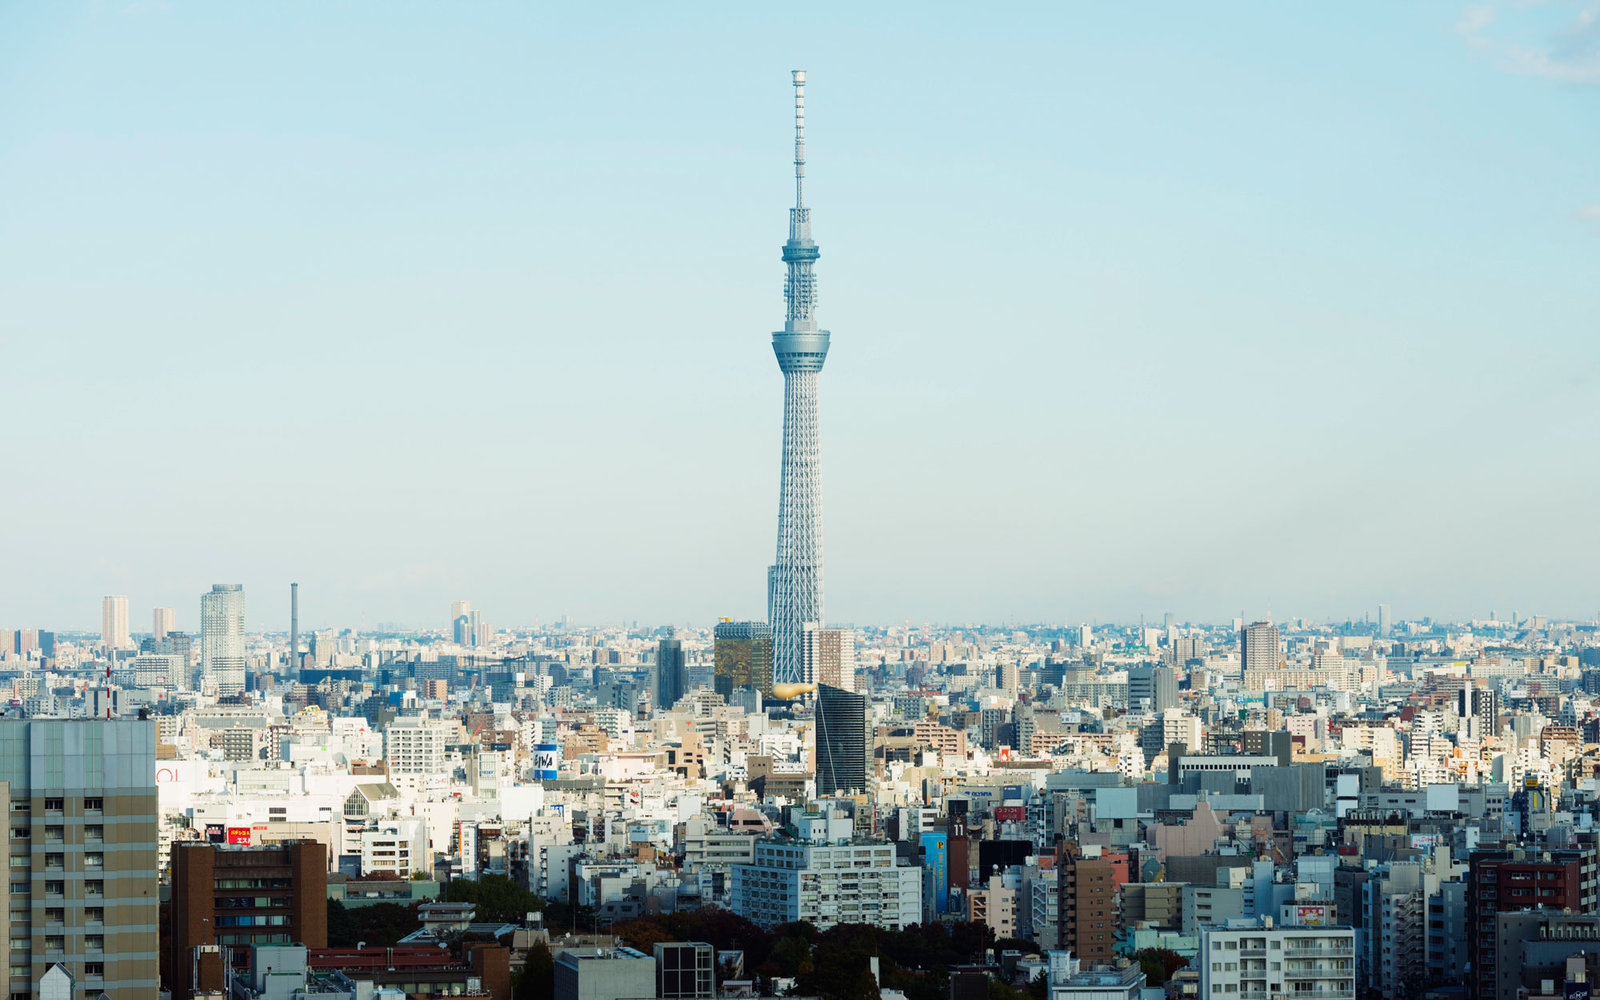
1228,322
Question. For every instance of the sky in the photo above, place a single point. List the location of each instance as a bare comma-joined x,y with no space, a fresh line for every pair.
1202,308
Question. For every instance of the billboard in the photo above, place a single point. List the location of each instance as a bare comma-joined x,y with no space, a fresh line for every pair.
936,870
214,833
546,761
1307,914
1010,814
239,835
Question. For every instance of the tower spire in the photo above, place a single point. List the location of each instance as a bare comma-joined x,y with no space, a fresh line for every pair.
800,139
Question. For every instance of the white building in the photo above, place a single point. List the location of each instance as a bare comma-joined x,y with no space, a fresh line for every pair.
1254,957
114,623
399,846
416,745
826,884
222,656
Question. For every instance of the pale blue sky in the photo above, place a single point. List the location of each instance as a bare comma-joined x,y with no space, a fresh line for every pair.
1188,307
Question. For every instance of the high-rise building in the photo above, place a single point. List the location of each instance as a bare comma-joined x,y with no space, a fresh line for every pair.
237,897
830,657
81,798
1258,646
1152,689
795,579
742,657
1385,621
1086,912
222,659
841,723
114,623
163,621
670,673
1479,707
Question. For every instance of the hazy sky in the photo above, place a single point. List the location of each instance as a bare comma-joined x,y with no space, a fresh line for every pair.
1196,307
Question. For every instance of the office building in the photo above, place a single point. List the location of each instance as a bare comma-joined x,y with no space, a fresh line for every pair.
1504,880
742,657
841,724
1479,709
794,582
604,974
1385,621
82,807
1152,689
830,657
1259,647
671,673
164,620
114,623
826,884
685,970
222,656
237,896
1250,957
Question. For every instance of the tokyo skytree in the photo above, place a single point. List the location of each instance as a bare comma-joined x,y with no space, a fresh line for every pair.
794,583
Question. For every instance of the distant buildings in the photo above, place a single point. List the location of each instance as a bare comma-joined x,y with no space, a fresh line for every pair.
1152,689
222,655
164,620
830,657
114,623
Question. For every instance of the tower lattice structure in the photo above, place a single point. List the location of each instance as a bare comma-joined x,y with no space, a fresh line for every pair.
794,583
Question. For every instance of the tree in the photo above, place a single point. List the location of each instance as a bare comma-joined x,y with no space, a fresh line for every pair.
495,898
537,979
1159,964
376,924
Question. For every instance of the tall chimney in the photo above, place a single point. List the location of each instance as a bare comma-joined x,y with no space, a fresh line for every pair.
294,629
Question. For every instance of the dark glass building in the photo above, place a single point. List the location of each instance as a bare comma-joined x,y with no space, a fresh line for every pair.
841,741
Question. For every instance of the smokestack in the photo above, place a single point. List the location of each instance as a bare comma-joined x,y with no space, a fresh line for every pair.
294,628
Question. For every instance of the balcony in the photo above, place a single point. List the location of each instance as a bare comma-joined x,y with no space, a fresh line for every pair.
1324,951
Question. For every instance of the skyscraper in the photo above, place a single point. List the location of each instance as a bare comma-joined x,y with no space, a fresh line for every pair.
1258,646
114,623
794,588
670,672
222,659
1152,689
1385,621
742,657
841,741
163,621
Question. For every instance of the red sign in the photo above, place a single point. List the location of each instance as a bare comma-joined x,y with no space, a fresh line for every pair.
1010,814
239,835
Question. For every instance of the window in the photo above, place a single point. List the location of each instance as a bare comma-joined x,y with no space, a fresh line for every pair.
21,832
53,860
95,941
94,913
21,806
95,831
94,803
94,886
55,803
56,913
54,887
55,942
94,859
19,861
94,968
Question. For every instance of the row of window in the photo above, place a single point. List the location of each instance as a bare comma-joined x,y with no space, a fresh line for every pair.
92,803
91,887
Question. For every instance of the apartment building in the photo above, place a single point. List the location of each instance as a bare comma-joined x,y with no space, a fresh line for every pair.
826,884
1254,958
